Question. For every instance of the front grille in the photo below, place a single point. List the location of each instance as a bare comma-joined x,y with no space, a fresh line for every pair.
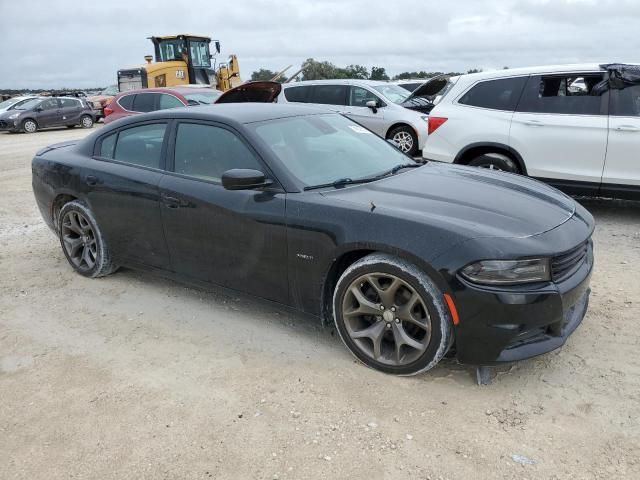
3,124
565,265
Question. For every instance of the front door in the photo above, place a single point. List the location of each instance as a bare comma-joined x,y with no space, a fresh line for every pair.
560,129
49,113
236,239
622,166
358,111
122,190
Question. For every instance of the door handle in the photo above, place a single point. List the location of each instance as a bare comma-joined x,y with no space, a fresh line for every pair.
172,202
534,123
627,128
91,180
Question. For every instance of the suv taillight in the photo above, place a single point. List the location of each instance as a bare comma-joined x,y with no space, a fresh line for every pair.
434,123
107,111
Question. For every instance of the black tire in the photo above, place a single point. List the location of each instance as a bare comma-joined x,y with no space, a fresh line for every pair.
29,125
83,237
86,121
495,161
363,347
405,138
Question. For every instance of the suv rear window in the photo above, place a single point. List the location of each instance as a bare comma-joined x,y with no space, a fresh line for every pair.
145,102
297,94
564,94
329,94
500,94
126,102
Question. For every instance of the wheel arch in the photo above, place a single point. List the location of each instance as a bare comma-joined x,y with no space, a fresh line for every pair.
349,254
400,124
60,201
473,150
33,119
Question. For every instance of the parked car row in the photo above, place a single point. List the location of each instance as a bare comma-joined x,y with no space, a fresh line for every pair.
32,114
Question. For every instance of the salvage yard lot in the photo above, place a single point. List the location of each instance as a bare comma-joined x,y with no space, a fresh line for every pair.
134,376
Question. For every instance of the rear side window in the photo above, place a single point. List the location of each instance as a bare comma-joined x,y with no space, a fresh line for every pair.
297,94
564,94
501,94
329,94
625,102
206,151
140,145
126,102
108,145
145,102
169,101
69,103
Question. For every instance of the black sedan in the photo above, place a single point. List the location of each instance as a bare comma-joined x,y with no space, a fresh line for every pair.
311,210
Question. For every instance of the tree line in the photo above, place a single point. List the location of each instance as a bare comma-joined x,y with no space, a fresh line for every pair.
316,70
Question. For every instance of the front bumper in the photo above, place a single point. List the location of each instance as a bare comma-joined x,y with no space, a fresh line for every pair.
507,325
9,126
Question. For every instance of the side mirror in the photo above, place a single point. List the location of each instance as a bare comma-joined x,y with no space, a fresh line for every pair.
244,179
373,105
39,109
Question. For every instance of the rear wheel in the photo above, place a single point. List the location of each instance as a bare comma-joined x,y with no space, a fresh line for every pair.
495,161
29,126
391,315
405,138
82,242
86,121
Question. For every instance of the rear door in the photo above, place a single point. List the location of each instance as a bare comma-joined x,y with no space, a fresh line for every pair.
146,102
560,128
49,113
236,239
71,111
329,96
122,183
358,111
622,165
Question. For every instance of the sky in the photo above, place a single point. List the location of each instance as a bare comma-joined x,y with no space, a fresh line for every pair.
81,44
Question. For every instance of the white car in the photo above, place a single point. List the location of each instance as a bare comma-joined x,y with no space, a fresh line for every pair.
384,108
566,125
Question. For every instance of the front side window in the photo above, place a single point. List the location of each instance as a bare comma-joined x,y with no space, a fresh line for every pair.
319,149
501,94
206,151
297,94
145,102
139,145
169,101
358,97
625,102
563,94
329,94
50,104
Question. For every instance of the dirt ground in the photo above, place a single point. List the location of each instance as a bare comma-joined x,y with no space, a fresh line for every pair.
132,376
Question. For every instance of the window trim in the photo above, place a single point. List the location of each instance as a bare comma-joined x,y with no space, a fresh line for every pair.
127,95
97,146
171,151
293,87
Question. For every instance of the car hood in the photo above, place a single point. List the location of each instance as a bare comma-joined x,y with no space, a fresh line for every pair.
475,201
8,113
430,87
264,92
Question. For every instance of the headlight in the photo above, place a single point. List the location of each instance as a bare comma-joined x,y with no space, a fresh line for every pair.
12,116
505,272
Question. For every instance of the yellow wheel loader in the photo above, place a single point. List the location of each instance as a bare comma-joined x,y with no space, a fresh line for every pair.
181,60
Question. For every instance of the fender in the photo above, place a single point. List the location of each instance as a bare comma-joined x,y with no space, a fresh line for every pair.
500,146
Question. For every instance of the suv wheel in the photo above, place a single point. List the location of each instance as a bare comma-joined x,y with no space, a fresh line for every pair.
405,138
495,161
391,316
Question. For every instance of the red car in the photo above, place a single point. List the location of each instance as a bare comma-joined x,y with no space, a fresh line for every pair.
133,102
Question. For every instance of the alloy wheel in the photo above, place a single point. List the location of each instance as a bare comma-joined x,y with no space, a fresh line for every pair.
387,319
30,126
86,122
79,240
404,141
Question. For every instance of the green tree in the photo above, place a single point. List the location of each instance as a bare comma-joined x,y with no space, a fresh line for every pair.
356,71
315,70
378,73
263,74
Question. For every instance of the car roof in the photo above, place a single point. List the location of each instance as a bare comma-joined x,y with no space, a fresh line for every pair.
338,81
541,69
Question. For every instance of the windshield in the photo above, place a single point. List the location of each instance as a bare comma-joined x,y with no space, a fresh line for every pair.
320,149
27,104
172,50
8,103
111,90
200,54
202,98
393,92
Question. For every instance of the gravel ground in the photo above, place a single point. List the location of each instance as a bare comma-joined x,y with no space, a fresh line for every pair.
132,376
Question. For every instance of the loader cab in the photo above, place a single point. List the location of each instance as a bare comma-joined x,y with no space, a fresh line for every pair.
193,51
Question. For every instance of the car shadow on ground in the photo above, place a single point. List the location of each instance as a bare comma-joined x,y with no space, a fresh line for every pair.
612,209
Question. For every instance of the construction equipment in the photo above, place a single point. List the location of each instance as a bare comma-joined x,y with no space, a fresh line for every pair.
181,60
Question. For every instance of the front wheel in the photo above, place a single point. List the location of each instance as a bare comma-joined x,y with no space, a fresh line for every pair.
405,139
82,242
495,161
86,121
391,315
29,126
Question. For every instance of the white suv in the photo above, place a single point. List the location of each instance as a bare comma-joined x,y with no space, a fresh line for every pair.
576,127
